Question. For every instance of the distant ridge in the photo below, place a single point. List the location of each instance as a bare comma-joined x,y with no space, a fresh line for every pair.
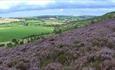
110,15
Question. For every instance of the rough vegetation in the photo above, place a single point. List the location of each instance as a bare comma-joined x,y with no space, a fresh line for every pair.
86,48
29,29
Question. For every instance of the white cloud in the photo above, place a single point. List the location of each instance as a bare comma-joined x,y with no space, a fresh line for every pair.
7,4
15,5
61,10
112,0
93,2
39,2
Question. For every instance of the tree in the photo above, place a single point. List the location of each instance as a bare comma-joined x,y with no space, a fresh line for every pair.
21,42
9,45
57,30
1,45
15,41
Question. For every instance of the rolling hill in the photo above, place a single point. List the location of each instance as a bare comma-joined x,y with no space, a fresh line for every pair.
87,48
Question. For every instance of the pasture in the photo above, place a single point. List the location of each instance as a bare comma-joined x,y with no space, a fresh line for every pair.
25,27
9,33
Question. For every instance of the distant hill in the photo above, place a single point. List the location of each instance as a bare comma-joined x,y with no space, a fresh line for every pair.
8,20
59,17
107,16
110,15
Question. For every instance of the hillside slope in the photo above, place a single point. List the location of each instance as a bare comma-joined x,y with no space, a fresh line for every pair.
87,48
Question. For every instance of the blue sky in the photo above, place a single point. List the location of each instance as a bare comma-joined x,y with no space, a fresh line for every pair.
20,8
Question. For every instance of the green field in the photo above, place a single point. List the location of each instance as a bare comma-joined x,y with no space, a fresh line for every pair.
27,27
9,33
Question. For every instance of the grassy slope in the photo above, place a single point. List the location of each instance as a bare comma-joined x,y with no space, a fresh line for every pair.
17,30
8,33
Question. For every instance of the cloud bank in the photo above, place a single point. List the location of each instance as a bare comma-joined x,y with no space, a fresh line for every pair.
10,6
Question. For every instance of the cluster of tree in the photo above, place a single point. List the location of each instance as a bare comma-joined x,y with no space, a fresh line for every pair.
28,39
76,24
71,25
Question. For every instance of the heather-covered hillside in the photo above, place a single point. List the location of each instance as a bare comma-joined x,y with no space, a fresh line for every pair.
57,34
87,48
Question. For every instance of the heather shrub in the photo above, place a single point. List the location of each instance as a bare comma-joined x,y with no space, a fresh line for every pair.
96,64
3,68
69,68
105,54
111,27
61,46
22,66
79,44
103,41
44,62
18,64
65,58
95,43
110,43
62,58
54,66
12,63
57,55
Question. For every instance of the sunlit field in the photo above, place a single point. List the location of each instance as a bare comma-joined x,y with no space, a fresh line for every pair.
9,33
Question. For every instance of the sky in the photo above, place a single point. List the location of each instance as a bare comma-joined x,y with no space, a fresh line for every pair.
23,8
